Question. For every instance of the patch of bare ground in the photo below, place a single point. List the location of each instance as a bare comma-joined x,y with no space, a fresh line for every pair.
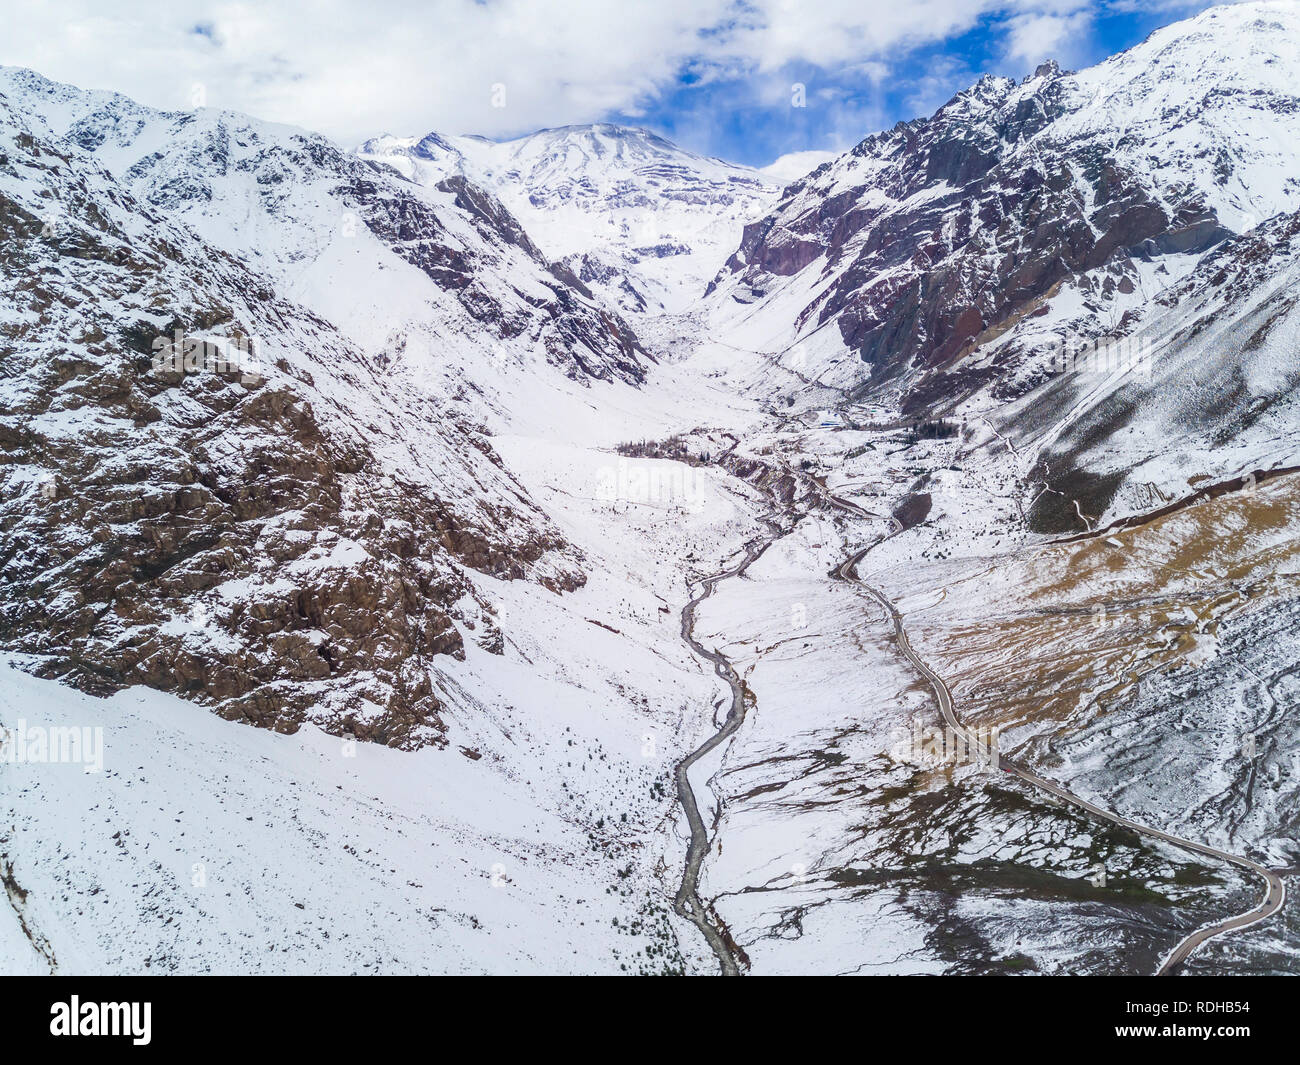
1072,627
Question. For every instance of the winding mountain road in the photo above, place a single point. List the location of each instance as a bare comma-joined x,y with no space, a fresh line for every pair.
1274,886
688,904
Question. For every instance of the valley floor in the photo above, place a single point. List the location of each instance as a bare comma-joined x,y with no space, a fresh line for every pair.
547,836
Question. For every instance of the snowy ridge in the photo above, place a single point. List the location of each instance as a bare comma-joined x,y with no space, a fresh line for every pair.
636,217
939,267
391,263
445,540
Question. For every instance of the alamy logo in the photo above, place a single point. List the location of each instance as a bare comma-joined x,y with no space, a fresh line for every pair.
187,354
922,746
1109,355
56,744
652,483
103,1018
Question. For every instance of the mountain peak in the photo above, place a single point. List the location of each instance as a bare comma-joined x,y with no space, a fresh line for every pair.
636,217
1047,69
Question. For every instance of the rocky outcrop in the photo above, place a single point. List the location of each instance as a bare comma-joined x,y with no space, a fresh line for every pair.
272,527
955,231
946,254
282,198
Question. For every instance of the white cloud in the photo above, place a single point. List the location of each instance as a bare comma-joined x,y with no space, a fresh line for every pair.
352,69
1032,38
1176,8
794,165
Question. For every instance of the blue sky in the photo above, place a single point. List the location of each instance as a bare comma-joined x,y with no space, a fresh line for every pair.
714,75
845,104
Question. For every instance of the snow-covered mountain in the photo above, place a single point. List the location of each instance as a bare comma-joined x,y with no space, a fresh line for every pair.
1204,383
444,266
568,657
210,486
637,218
941,266
256,400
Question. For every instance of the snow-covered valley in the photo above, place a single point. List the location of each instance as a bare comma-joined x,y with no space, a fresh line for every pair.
568,456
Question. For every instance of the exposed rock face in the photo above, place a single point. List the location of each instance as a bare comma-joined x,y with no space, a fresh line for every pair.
284,537
1217,378
586,340
292,203
643,222
933,250
955,231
